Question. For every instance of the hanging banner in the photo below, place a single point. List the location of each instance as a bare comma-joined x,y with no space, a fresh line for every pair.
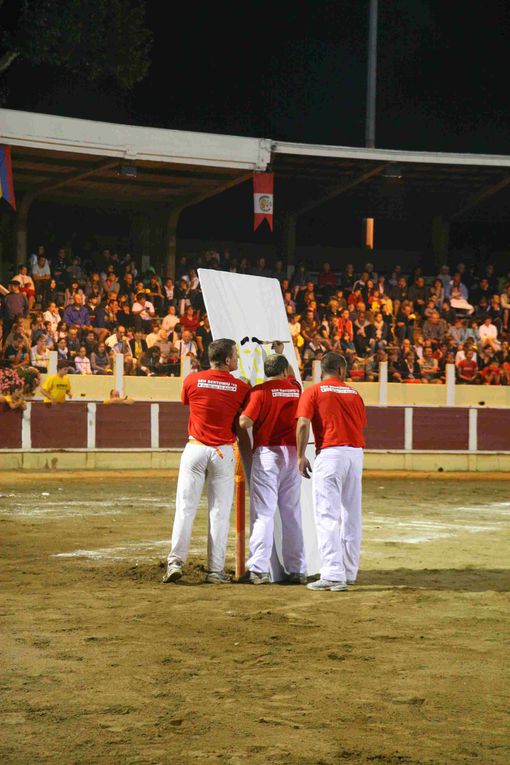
263,199
6,184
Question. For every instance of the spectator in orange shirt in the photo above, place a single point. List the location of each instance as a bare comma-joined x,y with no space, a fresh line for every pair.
492,374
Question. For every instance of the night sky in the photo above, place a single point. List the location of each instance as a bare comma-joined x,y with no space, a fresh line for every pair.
296,71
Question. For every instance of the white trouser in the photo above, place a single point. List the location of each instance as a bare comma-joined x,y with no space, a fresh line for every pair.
337,507
275,483
199,464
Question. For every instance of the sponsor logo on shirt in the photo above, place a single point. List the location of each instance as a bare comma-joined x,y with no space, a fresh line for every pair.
217,385
336,389
284,393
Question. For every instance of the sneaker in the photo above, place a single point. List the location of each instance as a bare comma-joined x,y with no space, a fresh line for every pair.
327,584
351,581
218,577
254,577
294,578
173,572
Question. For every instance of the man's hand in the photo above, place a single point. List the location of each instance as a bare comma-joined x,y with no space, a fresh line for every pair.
277,346
304,467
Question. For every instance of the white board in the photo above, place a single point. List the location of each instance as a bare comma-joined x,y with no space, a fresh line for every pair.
239,307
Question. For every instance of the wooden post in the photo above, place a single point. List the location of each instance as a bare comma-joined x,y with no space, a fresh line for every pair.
240,483
368,233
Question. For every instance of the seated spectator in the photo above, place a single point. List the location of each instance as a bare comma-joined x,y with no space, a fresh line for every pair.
418,295
434,329
404,323
378,332
57,387
82,362
327,280
41,276
459,332
186,345
117,343
171,320
204,338
361,334
482,291
73,342
190,320
143,312
492,374
37,329
299,279
436,294
467,368
52,314
489,334
63,353
496,313
153,335
169,294
16,354
356,370
138,347
76,314
27,286
372,365
409,368
457,293
155,294
429,367
40,355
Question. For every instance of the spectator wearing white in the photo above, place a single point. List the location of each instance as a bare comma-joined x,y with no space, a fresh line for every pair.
457,293
171,320
52,315
82,363
41,275
143,312
40,355
152,337
27,286
118,343
489,334
186,345
275,482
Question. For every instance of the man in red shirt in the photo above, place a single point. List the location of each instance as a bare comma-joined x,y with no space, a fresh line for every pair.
275,481
337,415
215,398
467,368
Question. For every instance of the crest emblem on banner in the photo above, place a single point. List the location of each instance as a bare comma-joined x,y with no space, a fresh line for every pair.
263,196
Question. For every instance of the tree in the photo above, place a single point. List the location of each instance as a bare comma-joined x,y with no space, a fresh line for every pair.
101,38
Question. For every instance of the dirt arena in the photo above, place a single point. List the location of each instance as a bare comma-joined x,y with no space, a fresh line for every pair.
103,664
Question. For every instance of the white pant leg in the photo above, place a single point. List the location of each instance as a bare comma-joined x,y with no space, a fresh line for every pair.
351,512
220,492
263,500
328,472
289,503
192,472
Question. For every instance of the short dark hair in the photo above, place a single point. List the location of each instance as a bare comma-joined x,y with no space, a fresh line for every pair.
275,365
333,363
62,364
220,350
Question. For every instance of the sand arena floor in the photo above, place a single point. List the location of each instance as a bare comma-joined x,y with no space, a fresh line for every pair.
103,664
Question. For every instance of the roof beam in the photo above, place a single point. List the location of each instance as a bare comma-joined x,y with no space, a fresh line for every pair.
474,199
337,190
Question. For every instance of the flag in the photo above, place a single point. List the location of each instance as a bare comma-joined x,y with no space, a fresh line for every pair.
263,199
6,185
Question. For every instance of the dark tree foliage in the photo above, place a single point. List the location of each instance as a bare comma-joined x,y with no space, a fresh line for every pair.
100,38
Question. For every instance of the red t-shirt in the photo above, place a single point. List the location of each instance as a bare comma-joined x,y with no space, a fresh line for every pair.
468,368
272,406
337,414
215,398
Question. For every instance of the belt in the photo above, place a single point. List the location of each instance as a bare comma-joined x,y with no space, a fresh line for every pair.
193,440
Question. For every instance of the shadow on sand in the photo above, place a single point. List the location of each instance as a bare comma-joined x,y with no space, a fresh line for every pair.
457,579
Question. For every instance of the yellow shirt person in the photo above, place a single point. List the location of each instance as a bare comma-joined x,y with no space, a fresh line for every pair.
56,387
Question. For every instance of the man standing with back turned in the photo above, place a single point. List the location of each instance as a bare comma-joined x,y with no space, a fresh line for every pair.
337,415
215,398
275,481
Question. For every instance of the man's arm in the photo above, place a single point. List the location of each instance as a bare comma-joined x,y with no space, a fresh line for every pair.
245,422
47,395
302,436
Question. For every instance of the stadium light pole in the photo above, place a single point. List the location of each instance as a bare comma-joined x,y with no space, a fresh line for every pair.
368,223
371,75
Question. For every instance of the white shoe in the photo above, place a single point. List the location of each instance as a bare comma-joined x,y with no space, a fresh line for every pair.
218,577
327,584
173,572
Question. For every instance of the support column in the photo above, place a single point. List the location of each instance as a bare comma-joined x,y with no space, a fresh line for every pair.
440,239
171,242
52,363
383,383
316,371
450,385
118,372
289,240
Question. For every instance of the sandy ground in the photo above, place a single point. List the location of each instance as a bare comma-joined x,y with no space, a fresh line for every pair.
103,664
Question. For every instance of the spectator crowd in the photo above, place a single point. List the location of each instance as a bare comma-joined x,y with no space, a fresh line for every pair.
89,310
